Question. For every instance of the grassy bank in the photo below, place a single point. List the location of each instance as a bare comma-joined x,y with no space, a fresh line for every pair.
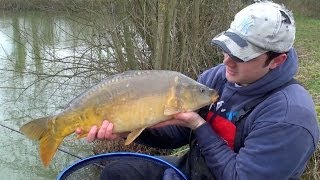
308,48
308,8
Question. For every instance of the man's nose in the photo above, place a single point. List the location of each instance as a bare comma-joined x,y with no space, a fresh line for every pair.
228,61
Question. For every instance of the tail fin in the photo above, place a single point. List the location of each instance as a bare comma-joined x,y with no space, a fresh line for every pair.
36,129
48,147
39,129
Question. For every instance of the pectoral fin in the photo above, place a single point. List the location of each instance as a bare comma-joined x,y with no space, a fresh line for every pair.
169,110
133,135
172,106
173,103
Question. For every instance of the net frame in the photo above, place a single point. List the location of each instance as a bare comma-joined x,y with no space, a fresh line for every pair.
97,159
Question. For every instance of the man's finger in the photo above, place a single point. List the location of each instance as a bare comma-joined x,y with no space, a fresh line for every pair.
108,132
103,129
92,134
78,131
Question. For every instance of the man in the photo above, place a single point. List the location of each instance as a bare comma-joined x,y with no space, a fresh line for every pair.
274,139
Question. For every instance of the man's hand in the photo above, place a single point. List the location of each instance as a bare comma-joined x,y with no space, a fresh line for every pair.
104,133
191,120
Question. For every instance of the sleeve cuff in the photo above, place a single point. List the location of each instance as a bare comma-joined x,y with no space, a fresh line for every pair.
206,135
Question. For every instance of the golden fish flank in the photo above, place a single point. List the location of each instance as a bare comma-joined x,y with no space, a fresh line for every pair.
132,101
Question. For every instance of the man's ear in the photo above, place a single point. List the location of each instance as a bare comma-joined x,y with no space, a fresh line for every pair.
277,61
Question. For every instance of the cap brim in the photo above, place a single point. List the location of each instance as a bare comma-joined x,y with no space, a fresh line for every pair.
236,47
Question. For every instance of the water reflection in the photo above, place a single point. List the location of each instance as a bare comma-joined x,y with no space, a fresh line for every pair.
19,48
36,79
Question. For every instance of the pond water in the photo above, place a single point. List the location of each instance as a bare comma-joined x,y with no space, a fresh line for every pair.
37,80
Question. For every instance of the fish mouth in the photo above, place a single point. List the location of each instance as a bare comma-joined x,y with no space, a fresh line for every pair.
214,98
214,95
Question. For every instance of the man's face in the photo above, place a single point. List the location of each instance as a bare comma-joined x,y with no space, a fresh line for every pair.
244,73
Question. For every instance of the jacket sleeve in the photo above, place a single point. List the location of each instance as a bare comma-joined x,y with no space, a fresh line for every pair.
168,137
275,148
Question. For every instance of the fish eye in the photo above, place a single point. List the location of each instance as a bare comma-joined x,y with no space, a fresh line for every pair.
202,90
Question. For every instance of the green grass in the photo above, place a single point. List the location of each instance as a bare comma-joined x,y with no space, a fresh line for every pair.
308,48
